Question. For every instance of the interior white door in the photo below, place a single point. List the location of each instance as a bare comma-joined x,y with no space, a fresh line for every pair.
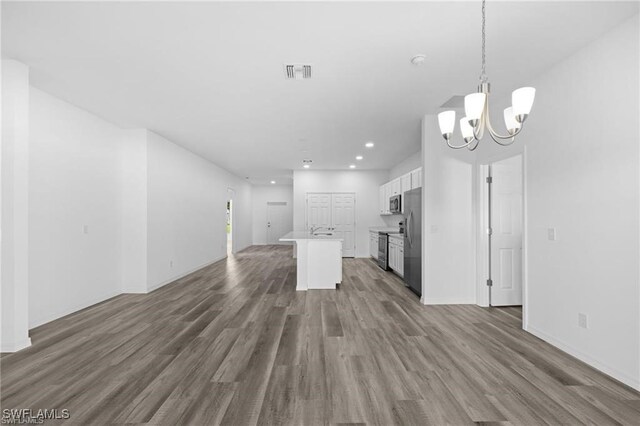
318,210
344,221
276,221
506,240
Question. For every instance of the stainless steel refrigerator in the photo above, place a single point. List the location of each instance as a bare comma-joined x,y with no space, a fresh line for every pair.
413,240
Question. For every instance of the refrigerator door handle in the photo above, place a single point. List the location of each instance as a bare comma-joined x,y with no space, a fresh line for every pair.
409,230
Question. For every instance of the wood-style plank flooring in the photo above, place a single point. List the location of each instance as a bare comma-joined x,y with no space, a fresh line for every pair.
234,343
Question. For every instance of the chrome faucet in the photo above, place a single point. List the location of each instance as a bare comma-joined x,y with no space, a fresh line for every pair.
315,228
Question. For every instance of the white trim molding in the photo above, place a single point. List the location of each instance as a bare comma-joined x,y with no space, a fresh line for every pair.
634,382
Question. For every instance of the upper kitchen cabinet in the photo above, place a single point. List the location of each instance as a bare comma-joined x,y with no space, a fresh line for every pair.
405,184
416,178
399,186
396,187
384,201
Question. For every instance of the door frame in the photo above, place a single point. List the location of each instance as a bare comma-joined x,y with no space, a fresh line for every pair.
231,197
482,291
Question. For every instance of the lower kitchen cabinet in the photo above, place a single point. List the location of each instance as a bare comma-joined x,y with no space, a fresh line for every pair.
396,254
373,244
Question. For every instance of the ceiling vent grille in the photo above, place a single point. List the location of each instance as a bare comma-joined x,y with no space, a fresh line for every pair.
297,71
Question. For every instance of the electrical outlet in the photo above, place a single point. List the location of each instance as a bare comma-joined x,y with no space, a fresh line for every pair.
171,264
85,229
552,235
582,320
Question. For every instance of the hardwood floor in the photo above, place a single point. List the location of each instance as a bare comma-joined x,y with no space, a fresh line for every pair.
234,343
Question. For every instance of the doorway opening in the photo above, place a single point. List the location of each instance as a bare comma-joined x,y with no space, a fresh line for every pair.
502,238
229,227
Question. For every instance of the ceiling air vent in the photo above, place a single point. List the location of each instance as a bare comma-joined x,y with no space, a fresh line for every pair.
297,71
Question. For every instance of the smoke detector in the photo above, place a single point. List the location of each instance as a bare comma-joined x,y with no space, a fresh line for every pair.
418,59
297,71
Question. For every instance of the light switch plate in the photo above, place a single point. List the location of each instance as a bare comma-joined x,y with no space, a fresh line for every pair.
582,320
552,235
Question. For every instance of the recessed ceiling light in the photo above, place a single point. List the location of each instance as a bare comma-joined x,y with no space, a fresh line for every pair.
418,59
273,182
306,166
369,144
352,166
359,157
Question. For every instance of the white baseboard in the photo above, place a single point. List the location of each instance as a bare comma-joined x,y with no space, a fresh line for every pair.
446,301
634,382
71,309
15,346
94,300
184,274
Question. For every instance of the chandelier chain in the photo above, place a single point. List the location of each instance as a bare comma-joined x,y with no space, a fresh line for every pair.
483,75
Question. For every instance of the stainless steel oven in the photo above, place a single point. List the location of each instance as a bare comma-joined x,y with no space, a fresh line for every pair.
383,250
395,207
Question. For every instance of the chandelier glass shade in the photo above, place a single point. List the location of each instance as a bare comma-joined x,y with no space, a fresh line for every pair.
476,109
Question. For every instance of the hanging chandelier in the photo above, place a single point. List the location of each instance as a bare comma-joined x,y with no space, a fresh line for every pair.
476,108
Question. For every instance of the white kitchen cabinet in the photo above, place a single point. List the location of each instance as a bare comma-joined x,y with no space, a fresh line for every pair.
400,265
391,256
416,178
405,185
396,187
373,244
399,186
396,254
386,191
384,199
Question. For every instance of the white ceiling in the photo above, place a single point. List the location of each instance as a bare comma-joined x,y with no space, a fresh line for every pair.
209,76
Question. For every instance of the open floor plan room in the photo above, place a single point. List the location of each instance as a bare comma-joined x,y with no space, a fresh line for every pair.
320,213
234,343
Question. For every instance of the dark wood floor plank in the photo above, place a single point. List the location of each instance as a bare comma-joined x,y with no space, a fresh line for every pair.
235,343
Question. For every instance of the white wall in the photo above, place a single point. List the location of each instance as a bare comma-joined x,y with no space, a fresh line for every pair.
405,166
582,162
14,291
582,171
90,210
448,220
186,211
75,181
261,195
365,184
134,211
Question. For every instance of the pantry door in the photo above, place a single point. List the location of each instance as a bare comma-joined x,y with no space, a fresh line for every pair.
344,221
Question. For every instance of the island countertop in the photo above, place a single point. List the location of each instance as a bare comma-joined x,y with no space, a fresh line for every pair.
305,235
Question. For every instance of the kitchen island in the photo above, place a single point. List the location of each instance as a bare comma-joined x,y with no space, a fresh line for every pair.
319,259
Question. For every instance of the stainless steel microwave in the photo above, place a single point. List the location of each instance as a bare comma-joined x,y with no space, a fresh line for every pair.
394,204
